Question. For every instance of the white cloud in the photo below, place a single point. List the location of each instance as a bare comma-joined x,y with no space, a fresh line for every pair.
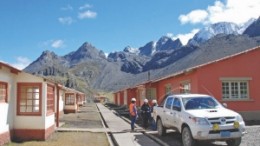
66,20
86,6
184,37
57,44
67,8
87,14
194,16
21,62
237,11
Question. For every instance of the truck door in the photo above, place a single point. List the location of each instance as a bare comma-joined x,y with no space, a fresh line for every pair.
176,112
167,111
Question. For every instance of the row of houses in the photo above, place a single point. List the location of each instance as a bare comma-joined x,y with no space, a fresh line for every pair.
232,79
31,106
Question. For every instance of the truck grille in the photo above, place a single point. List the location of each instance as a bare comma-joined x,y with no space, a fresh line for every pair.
222,120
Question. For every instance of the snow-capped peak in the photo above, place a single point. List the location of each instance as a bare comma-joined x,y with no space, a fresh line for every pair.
245,25
213,30
131,50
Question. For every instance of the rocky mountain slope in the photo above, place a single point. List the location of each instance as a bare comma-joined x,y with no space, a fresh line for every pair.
88,68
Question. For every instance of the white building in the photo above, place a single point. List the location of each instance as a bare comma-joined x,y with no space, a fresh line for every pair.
29,105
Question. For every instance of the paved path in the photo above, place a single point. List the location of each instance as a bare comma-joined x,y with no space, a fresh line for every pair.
120,129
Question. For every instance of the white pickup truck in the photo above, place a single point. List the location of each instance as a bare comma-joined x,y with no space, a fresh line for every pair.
199,117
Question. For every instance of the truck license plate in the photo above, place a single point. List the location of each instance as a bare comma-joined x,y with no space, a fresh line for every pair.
225,133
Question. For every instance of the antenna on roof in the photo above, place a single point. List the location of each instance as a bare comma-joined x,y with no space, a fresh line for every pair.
148,74
207,90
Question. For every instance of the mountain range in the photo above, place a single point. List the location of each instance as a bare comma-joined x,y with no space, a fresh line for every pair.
88,68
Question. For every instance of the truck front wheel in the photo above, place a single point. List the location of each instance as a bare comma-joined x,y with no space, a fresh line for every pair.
161,129
187,138
234,142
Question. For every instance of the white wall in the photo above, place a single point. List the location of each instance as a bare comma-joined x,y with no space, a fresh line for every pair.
29,122
61,100
49,121
34,122
6,109
4,126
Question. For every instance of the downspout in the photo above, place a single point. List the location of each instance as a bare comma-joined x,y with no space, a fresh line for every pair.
58,107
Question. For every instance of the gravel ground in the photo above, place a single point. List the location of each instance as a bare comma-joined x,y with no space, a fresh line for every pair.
88,117
69,139
252,138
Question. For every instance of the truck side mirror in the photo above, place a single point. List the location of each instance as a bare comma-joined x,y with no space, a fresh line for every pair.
225,105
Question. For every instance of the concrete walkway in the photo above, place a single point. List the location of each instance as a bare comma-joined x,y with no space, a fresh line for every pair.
120,130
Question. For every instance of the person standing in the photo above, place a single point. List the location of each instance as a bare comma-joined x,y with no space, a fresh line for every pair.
146,113
153,114
133,113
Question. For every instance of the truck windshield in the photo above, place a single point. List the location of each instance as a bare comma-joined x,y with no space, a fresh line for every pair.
199,103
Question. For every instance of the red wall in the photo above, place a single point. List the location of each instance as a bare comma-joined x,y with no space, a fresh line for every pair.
121,98
130,94
206,80
175,84
244,65
115,98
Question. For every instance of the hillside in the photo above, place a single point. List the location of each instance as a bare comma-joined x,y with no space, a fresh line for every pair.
88,68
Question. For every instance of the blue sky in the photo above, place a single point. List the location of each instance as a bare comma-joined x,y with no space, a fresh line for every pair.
28,27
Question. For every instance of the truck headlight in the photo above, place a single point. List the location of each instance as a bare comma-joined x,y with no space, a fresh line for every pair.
200,121
236,125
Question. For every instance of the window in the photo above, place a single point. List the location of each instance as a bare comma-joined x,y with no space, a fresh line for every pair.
3,92
232,89
169,103
50,99
151,93
29,98
69,98
168,89
176,102
185,87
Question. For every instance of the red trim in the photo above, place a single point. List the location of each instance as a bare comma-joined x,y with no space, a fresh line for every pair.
6,94
12,69
66,111
58,107
19,85
51,111
33,134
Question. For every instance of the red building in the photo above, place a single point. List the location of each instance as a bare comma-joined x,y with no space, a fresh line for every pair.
232,79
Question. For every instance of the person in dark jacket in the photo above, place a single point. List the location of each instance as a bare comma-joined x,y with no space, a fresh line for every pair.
146,113
153,114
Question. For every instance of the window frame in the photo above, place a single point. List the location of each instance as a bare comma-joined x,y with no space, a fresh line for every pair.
167,88
166,103
19,97
183,84
150,93
227,90
66,100
50,107
175,106
5,99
